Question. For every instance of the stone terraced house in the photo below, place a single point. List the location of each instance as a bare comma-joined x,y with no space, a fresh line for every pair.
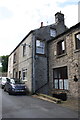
28,61
48,59
64,62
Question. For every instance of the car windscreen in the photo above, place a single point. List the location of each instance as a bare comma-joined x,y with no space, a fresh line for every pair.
4,79
16,81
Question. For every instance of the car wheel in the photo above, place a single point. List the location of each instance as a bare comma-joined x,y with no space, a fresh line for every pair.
9,92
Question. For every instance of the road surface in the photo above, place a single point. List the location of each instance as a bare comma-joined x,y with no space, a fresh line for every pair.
22,106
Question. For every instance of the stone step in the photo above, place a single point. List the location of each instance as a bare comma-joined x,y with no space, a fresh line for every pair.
56,100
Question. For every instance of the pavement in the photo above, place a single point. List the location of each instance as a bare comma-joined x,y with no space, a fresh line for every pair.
71,103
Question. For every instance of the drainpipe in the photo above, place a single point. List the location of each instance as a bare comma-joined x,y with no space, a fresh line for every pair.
33,63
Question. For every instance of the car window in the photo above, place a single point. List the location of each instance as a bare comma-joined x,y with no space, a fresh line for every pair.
19,81
16,81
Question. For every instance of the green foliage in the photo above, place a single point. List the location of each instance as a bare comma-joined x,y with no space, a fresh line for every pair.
4,62
0,69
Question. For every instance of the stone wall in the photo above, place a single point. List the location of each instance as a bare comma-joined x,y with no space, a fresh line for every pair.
25,62
71,59
22,62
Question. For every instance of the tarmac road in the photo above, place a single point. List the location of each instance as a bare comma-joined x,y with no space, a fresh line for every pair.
22,106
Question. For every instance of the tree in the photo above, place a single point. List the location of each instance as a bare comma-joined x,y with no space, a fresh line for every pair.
4,62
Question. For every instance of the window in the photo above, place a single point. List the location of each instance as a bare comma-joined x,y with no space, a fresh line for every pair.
77,40
24,50
16,74
24,74
52,32
40,47
19,74
14,59
60,47
13,73
60,78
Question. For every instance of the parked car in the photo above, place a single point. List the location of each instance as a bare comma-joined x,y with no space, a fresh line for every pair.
14,86
3,81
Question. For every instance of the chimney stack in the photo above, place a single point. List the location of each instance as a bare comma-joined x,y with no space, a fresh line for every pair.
59,18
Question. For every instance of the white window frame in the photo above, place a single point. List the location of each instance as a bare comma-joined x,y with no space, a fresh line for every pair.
76,44
24,71
60,82
52,32
61,48
40,47
66,84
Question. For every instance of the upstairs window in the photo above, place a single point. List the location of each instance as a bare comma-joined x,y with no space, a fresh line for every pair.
77,40
60,47
52,32
14,58
14,73
24,50
40,47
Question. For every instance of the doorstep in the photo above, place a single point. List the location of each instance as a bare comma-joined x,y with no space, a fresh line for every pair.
48,98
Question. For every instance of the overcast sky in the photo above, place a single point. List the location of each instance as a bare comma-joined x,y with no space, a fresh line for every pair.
18,17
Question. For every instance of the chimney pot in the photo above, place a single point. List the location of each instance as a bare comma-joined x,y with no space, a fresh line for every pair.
41,24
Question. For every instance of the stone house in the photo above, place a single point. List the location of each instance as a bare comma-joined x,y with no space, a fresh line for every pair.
64,62
29,59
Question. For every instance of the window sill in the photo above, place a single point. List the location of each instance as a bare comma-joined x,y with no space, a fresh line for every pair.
24,80
77,50
62,55
52,36
57,91
44,55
